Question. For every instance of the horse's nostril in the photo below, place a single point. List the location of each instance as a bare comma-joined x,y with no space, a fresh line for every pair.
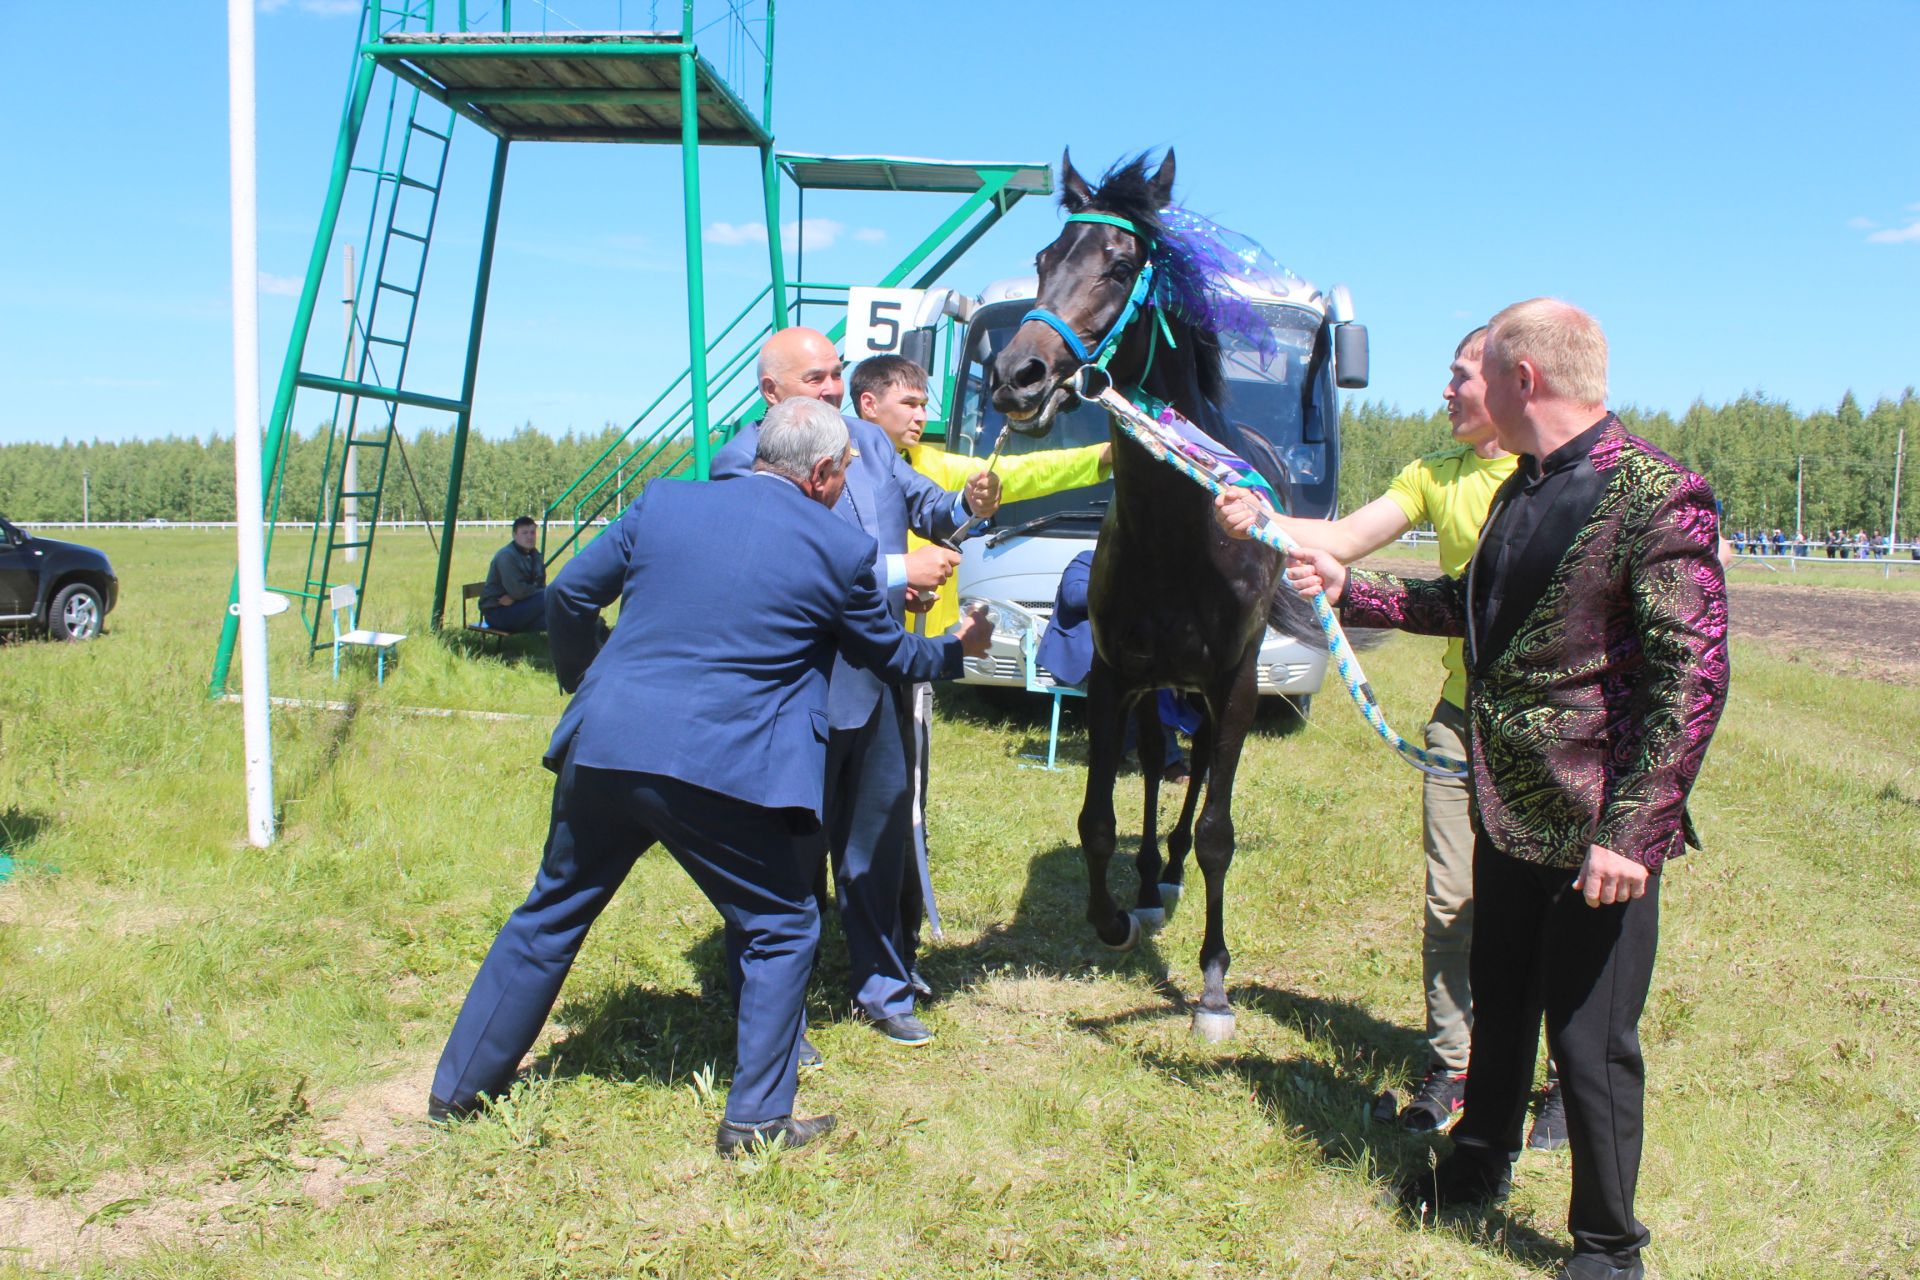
1030,374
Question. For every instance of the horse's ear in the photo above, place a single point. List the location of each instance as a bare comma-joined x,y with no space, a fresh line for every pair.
1161,187
1075,194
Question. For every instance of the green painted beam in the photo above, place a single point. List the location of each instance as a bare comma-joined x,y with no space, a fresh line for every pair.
369,391
456,467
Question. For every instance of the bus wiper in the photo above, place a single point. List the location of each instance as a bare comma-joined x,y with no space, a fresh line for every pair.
999,536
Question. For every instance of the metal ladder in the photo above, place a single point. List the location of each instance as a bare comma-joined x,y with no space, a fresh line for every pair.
409,192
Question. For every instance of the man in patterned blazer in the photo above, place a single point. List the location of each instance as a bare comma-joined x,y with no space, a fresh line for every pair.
1595,619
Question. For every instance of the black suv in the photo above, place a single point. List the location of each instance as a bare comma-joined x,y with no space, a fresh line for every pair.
61,588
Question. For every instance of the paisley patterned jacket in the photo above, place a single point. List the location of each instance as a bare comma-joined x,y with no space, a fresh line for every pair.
1590,726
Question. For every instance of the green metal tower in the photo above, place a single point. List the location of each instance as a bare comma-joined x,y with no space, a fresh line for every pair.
441,73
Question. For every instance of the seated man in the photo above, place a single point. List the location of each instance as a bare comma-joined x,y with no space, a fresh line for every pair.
515,598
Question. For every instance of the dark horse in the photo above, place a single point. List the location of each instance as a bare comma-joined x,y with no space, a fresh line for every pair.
1174,602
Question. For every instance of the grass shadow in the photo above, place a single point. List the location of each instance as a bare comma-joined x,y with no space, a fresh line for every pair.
522,649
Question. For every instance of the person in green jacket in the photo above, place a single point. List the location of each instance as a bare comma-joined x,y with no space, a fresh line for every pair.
891,392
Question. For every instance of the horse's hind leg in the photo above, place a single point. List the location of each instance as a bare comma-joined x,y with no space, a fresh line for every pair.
1105,717
1150,740
1234,703
1180,839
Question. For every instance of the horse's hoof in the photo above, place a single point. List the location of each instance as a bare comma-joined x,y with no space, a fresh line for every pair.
1212,1027
1150,919
1169,898
1133,936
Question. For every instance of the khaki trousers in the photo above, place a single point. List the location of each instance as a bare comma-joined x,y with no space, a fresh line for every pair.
1448,837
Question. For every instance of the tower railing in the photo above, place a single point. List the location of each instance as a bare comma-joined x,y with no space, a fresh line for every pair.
732,34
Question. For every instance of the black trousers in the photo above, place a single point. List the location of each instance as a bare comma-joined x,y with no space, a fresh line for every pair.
1538,947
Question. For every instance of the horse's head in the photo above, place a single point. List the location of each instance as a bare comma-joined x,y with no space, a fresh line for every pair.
1087,275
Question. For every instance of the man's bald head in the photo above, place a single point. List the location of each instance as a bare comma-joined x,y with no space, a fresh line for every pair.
800,363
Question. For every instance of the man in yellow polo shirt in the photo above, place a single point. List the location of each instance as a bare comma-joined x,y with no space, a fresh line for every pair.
891,393
1451,489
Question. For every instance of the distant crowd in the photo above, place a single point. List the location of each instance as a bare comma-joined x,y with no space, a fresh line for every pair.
1838,543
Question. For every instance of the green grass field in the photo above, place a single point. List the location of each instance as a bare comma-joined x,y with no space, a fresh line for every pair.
213,1060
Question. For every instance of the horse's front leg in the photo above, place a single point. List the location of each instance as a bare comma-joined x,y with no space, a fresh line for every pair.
1105,713
1233,702
1150,741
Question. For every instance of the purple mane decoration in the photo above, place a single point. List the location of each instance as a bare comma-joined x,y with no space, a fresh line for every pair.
1193,262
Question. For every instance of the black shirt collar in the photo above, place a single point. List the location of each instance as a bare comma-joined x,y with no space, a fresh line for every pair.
1567,455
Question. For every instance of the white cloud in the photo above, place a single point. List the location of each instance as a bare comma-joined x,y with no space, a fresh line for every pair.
280,286
1862,224
870,235
821,233
1909,234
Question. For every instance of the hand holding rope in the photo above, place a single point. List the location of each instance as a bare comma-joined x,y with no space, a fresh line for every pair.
1094,384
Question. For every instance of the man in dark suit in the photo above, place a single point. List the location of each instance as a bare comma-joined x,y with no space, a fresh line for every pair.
702,726
868,797
1594,612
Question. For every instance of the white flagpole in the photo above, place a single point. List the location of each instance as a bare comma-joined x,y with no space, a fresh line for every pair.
249,512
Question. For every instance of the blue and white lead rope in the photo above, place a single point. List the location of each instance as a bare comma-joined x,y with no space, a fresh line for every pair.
1146,431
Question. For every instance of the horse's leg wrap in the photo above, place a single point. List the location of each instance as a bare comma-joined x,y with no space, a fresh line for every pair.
1097,832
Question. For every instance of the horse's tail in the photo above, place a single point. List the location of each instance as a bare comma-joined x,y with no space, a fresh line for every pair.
1291,616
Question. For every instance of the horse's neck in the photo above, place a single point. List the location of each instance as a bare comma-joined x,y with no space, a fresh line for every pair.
1144,487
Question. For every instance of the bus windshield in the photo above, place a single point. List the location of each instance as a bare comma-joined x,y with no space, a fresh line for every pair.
1280,410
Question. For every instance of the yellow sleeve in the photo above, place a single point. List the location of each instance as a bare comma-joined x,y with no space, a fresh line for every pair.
1035,475
1409,491
947,470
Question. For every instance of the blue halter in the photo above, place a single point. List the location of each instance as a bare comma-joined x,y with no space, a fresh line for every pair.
1136,301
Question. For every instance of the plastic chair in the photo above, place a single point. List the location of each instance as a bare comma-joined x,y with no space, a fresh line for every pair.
346,598
1039,682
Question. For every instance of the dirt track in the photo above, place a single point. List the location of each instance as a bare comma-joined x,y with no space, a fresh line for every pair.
1871,634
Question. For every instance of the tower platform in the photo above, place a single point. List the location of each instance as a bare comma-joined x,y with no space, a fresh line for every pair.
577,87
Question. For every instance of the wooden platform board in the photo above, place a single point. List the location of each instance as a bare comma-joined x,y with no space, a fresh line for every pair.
572,87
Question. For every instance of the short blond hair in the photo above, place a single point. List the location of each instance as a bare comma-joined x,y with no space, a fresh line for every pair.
1473,346
1560,340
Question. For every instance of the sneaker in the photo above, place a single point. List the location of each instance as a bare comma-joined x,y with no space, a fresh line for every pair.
904,1028
1436,1103
1549,1131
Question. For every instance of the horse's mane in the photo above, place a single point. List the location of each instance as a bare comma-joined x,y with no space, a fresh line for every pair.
1126,191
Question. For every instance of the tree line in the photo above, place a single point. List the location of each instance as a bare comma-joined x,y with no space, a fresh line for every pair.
1752,450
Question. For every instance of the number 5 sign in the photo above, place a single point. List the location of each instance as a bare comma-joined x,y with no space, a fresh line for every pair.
878,319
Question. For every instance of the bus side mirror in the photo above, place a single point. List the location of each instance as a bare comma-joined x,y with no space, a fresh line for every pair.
917,346
1350,356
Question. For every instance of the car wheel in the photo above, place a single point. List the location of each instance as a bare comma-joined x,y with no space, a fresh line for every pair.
76,613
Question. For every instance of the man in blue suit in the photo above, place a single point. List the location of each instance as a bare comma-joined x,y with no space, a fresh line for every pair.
702,726
868,800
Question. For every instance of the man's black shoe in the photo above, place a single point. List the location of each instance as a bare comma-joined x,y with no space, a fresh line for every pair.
904,1028
439,1112
1549,1131
1586,1266
1436,1103
1457,1182
737,1138
807,1056
919,984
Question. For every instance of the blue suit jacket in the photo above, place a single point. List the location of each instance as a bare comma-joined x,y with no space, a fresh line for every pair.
884,498
1066,649
735,599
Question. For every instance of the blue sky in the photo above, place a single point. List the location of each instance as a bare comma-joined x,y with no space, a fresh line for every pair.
1734,189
